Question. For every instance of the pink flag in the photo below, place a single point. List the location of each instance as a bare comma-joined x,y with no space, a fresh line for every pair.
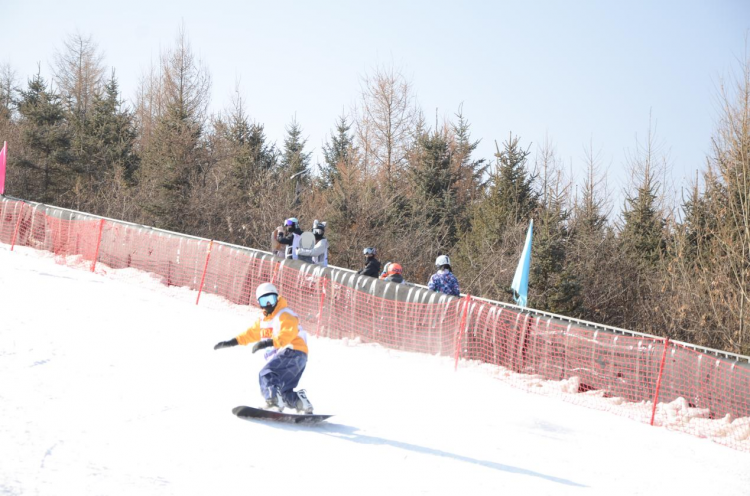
3,154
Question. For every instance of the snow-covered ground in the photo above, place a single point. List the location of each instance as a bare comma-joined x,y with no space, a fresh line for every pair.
109,385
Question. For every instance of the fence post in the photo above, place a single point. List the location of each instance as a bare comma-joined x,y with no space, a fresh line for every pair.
98,243
461,326
276,267
320,309
18,223
658,380
205,267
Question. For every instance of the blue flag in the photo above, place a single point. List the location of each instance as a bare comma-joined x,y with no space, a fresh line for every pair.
520,283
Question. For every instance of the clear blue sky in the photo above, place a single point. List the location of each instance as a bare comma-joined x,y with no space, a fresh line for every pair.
573,71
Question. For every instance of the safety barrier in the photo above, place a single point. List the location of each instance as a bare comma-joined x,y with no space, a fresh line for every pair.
646,378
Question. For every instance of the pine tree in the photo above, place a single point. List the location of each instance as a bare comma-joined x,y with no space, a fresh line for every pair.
339,150
433,179
295,163
111,136
510,197
642,234
470,172
488,252
45,173
554,287
512,189
592,246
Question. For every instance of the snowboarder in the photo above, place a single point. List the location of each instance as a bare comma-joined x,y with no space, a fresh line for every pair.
372,264
443,280
279,330
291,236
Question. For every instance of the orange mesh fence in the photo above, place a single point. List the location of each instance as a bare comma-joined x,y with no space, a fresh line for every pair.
645,378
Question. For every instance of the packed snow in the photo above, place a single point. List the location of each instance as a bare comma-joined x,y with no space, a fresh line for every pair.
109,385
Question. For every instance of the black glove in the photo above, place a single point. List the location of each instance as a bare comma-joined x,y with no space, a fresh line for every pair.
263,343
227,344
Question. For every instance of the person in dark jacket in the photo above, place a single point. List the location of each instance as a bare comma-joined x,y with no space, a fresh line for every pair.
372,264
290,237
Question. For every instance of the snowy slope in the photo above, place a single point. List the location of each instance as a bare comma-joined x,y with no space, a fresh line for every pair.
109,385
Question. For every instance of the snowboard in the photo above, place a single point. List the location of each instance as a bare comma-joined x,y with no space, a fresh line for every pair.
248,412
307,240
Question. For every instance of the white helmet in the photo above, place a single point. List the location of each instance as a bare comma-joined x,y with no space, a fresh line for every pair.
442,260
264,289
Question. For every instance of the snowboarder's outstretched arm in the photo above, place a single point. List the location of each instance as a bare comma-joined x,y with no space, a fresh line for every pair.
226,344
251,335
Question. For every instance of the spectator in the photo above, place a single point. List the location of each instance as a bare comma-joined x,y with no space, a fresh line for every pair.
277,248
394,273
319,253
290,237
372,264
384,274
443,280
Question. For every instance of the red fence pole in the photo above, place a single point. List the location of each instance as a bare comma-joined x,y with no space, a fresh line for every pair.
658,381
18,223
461,328
98,243
205,267
320,309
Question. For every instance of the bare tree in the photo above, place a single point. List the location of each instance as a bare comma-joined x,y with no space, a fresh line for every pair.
79,72
149,104
8,86
385,121
731,162
186,82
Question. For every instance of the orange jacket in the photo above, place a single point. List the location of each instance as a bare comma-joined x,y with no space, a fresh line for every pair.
282,326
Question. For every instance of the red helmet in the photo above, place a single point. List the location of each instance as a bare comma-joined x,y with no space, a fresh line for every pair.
394,268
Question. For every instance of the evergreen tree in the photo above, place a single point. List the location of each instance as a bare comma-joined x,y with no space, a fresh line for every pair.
498,224
295,163
110,138
510,198
511,187
426,210
470,171
45,173
643,232
265,155
592,246
554,287
433,180
339,150
251,156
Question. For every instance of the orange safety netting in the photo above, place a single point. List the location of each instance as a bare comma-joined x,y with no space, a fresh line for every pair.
645,378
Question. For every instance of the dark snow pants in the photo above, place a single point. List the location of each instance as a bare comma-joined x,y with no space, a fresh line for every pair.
283,371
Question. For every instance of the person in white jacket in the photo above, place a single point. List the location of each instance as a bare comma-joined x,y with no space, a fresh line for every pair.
319,252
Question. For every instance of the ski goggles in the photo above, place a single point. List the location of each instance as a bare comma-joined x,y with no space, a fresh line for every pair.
269,299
